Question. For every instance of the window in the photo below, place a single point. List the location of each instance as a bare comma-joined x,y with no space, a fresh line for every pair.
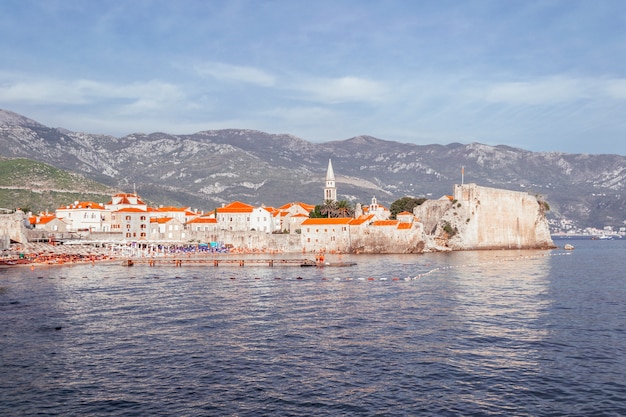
128,218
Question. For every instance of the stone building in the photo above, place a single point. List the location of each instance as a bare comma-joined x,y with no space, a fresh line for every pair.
167,229
131,223
235,216
326,234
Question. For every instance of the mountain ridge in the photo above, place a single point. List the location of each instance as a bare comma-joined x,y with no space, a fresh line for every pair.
208,168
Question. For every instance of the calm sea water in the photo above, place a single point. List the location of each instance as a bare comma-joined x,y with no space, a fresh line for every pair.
518,333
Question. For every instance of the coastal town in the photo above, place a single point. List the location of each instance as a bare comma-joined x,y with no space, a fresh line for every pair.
472,218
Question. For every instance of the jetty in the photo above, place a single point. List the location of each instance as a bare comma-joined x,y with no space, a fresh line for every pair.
241,262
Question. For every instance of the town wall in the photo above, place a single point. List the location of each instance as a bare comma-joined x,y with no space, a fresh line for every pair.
489,218
387,239
254,241
12,226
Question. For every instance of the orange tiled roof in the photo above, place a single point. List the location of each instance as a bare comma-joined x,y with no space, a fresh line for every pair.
203,220
83,205
46,219
404,213
236,207
361,219
385,223
404,226
131,210
160,220
324,220
125,200
305,206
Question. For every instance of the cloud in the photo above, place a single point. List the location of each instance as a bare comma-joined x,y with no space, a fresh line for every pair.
343,90
554,90
235,73
80,92
615,88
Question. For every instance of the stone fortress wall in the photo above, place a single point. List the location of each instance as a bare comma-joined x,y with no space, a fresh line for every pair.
489,218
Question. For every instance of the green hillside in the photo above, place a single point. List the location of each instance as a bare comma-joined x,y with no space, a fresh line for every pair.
35,186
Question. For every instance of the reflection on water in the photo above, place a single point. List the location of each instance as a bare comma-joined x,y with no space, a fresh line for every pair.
489,332
497,299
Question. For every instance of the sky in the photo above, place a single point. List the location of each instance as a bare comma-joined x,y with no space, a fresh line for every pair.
545,75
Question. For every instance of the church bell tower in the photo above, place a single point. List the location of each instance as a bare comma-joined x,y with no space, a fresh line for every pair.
330,191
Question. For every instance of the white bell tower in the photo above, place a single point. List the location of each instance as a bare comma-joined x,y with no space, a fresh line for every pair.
330,191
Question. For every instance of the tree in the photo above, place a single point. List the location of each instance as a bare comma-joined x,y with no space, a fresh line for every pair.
332,208
405,204
329,208
316,213
344,209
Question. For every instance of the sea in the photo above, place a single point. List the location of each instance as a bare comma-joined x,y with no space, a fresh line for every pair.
476,333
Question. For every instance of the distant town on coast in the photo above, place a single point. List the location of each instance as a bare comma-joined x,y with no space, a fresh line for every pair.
473,217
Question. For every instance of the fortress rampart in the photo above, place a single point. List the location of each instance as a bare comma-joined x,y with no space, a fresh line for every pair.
490,218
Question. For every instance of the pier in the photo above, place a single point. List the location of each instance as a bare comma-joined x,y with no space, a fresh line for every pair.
241,262
190,261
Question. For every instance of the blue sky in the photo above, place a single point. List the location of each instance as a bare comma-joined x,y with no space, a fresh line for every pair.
538,75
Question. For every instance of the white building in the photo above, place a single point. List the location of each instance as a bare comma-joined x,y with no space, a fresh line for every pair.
262,220
85,216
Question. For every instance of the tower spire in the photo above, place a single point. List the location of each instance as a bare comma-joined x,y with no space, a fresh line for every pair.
330,191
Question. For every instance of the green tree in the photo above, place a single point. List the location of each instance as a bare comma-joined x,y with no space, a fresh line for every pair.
329,208
316,213
344,209
405,204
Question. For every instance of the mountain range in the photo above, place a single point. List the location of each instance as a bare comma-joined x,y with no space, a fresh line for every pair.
206,169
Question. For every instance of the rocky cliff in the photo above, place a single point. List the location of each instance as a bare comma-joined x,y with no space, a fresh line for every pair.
489,218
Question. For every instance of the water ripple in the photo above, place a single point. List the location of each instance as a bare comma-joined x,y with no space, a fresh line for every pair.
481,335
